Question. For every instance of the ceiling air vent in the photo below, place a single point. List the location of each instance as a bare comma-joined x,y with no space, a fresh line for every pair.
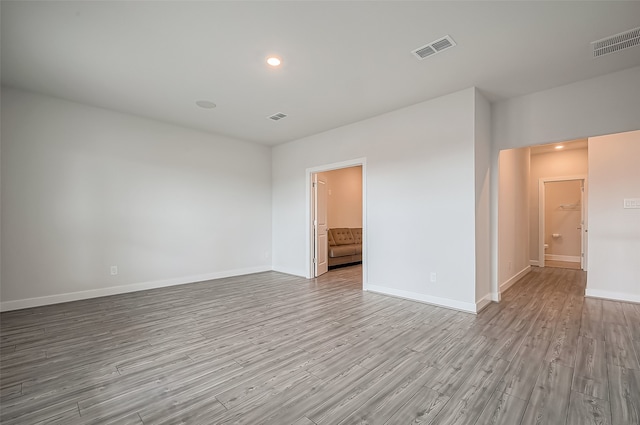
434,47
616,42
277,117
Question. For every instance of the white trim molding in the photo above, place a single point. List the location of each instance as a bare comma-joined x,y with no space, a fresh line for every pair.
616,296
509,283
483,302
423,298
534,263
541,214
362,162
556,257
123,289
290,272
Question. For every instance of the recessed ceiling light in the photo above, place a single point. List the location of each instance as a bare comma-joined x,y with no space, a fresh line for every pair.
274,61
206,104
559,147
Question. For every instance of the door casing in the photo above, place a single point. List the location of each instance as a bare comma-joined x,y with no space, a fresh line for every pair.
541,221
310,243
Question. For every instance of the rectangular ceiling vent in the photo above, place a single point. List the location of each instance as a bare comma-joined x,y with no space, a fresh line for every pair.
434,47
616,42
277,117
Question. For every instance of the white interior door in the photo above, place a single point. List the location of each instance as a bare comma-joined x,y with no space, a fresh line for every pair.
583,225
320,226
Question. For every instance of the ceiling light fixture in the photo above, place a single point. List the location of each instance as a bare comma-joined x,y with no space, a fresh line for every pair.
205,104
559,147
274,61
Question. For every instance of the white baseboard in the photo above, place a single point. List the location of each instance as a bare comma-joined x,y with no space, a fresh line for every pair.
616,296
428,299
291,272
496,297
483,302
534,263
570,258
123,289
508,283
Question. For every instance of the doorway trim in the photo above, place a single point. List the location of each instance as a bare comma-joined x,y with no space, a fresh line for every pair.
541,214
309,211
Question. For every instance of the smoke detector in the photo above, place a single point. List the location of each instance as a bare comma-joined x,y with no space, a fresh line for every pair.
617,42
434,47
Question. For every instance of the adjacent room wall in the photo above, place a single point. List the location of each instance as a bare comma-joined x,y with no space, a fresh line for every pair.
421,190
85,188
614,232
344,188
513,218
573,162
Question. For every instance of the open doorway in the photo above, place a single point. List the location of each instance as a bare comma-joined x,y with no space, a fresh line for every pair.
520,232
336,217
562,211
603,162
558,216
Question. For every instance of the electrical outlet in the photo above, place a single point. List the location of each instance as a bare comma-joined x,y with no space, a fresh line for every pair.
433,277
632,203
114,270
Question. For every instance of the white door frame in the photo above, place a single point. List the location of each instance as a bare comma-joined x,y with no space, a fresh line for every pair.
309,211
320,229
541,213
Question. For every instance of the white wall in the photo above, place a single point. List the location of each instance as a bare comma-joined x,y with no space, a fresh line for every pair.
598,106
420,184
513,218
614,232
344,200
85,188
483,202
573,162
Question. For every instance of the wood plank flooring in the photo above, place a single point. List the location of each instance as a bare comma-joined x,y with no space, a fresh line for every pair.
271,348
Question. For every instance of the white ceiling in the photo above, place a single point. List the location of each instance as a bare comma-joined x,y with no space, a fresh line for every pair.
343,61
566,146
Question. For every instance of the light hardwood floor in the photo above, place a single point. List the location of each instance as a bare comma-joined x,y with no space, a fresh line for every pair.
276,349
